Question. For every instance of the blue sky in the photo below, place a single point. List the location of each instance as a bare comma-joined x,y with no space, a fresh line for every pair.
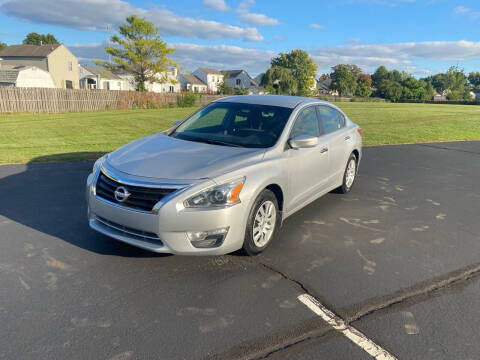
418,36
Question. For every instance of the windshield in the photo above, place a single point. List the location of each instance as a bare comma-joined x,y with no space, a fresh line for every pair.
234,124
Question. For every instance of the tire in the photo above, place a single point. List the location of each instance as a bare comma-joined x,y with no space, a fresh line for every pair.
253,243
348,182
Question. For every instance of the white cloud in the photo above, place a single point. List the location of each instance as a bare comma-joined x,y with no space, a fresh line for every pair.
219,5
98,15
251,18
461,10
401,56
397,55
317,26
257,19
192,56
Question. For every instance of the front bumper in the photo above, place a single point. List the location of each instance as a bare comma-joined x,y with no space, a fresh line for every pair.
165,231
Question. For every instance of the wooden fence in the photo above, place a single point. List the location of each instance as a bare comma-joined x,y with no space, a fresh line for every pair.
40,100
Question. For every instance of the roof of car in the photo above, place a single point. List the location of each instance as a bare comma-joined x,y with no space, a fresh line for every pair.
273,100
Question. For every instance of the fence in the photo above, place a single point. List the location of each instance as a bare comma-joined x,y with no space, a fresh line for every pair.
445,102
38,100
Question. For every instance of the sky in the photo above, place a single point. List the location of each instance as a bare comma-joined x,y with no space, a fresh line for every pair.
421,37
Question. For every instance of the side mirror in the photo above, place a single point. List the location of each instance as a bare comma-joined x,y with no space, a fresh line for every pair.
175,123
303,141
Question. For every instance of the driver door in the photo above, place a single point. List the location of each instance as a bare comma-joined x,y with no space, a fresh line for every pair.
307,167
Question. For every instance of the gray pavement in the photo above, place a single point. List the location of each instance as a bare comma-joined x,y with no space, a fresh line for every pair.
397,258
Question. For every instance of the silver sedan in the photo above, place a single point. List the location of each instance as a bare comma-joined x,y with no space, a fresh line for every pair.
226,177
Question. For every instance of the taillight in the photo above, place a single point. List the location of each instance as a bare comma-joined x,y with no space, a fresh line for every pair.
359,130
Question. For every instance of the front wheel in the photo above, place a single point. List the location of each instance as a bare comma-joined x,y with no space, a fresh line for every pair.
262,223
350,175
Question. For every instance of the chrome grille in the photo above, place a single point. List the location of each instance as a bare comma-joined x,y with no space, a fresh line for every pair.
141,198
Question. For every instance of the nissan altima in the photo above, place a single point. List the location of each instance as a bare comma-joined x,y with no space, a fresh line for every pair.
226,177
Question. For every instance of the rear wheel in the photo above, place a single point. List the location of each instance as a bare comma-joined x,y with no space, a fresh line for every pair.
262,223
350,175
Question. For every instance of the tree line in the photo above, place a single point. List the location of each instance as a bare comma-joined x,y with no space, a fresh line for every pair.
397,85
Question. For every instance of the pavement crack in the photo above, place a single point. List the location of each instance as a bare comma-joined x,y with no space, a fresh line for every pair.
298,284
448,148
296,343
401,296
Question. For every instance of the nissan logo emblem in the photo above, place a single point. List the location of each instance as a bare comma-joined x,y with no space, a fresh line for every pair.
121,194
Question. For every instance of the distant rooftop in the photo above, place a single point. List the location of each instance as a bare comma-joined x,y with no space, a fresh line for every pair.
28,50
232,73
211,71
100,71
192,79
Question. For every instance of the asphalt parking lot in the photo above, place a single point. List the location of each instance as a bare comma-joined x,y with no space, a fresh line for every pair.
397,259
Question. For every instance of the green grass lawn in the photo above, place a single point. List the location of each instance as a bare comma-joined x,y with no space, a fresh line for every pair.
82,136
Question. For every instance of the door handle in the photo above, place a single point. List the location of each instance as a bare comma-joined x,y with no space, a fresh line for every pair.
347,138
324,150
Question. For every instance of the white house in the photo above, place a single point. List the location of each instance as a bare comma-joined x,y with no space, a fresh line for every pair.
213,78
94,77
192,83
170,82
475,94
240,79
25,76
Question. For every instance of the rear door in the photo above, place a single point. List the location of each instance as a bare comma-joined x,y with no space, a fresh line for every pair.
308,167
338,140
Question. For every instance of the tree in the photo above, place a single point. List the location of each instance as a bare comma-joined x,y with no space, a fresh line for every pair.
2,45
140,52
391,90
241,91
455,79
279,80
291,73
225,89
474,79
34,38
344,79
364,85
438,81
379,75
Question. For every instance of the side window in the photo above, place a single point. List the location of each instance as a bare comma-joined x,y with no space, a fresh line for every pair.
306,123
331,119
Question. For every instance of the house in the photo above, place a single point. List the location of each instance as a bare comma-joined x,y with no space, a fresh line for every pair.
440,96
95,77
192,83
25,77
240,79
475,94
54,58
169,82
213,78
258,78
323,87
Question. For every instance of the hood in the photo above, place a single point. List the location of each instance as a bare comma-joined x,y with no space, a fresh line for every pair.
163,157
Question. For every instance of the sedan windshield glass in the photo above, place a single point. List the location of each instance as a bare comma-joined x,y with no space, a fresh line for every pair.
234,124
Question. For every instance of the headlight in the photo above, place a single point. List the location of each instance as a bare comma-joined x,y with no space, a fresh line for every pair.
98,163
222,195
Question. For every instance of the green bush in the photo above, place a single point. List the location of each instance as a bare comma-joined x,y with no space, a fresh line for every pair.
186,100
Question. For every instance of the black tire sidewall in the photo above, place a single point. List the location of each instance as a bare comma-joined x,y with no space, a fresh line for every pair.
249,246
344,187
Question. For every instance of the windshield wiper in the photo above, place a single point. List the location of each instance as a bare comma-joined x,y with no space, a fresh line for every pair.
214,142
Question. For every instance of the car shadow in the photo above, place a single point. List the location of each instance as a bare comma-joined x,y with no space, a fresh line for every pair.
49,196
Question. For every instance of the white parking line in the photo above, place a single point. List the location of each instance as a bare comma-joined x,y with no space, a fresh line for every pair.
350,332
